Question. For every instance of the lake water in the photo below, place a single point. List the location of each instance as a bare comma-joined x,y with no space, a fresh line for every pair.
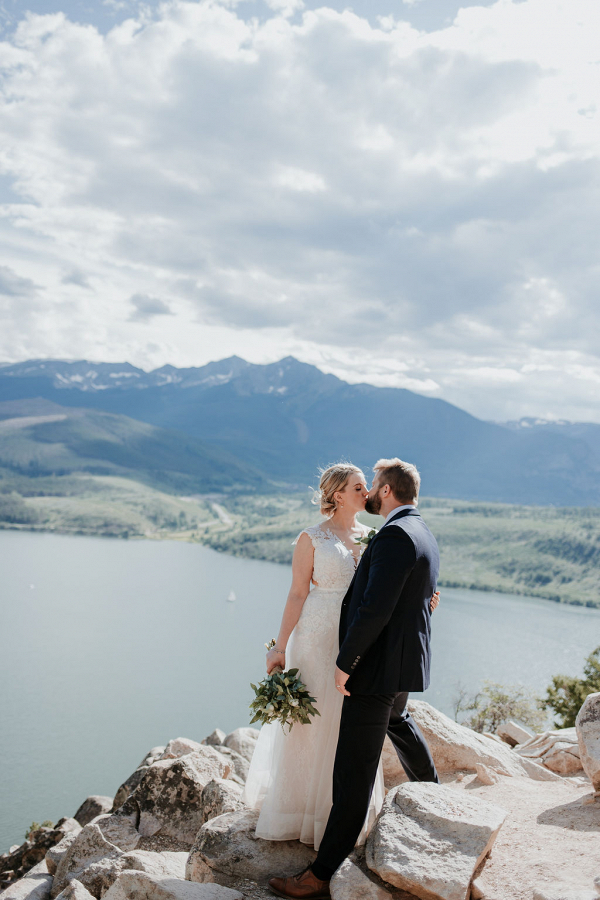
111,647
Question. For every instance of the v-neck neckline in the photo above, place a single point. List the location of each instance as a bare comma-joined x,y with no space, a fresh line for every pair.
330,531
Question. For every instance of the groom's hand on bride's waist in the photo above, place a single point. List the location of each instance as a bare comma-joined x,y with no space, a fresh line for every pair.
340,682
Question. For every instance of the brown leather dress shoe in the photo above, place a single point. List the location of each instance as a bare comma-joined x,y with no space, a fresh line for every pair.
303,886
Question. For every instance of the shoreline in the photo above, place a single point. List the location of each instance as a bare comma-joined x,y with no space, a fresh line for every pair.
187,538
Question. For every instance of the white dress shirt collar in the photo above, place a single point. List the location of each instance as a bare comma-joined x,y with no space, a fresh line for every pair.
397,510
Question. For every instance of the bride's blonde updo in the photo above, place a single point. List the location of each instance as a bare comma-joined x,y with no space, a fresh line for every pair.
334,478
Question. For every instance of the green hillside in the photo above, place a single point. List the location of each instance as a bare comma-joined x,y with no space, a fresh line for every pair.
42,439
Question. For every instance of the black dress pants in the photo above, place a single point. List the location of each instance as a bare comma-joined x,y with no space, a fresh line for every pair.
366,719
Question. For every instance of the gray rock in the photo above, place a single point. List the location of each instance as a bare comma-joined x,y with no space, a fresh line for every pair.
169,795
141,886
165,864
563,892
351,883
93,856
485,775
129,786
243,741
563,759
75,891
238,763
227,848
588,734
35,885
455,747
221,796
179,747
393,772
22,858
538,771
216,738
430,839
512,733
56,853
92,807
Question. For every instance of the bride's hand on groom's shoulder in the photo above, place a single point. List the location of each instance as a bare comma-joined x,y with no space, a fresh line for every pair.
435,601
275,658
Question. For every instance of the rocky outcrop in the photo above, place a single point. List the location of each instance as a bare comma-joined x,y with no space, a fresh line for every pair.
227,848
129,786
219,797
169,795
21,859
557,751
418,817
92,807
56,853
142,886
239,764
92,856
243,741
588,734
215,738
355,881
512,733
35,885
564,893
456,748
75,891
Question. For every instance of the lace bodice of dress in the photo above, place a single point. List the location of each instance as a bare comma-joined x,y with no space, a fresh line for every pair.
334,563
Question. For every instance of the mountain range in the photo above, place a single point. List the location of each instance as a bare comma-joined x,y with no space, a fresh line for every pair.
251,425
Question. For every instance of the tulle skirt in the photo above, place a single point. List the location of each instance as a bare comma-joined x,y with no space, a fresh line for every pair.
290,778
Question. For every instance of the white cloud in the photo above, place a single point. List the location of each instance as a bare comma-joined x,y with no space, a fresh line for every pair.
408,208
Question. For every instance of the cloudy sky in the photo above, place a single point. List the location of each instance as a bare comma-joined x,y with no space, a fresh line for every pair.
405,193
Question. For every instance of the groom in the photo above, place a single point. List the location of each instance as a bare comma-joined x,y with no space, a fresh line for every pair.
385,630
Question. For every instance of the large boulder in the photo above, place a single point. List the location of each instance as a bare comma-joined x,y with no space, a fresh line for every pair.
351,882
141,886
169,796
227,848
56,853
215,738
456,748
588,734
35,885
179,747
557,751
92,856
219,797
92,807
393,772
512,733
430,840
130,784
238,763
163,864
75,891
243,741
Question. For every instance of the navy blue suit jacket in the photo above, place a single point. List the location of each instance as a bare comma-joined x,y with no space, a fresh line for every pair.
385,622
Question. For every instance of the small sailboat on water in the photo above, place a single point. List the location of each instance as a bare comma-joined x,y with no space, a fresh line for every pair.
231,597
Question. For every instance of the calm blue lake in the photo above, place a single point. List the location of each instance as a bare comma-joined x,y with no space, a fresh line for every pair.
111,647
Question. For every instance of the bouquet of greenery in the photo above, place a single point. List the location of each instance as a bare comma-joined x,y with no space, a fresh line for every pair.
282,697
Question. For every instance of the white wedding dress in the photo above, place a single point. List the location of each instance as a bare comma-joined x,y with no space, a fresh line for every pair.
290,778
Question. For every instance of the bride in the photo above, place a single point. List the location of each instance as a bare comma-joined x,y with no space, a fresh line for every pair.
290,778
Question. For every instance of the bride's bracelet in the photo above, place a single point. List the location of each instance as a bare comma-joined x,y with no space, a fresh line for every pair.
277,651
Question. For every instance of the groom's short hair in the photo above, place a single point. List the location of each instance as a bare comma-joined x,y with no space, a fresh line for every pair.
402,477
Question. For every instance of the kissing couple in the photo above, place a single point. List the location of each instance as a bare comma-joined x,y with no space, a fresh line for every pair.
361,639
